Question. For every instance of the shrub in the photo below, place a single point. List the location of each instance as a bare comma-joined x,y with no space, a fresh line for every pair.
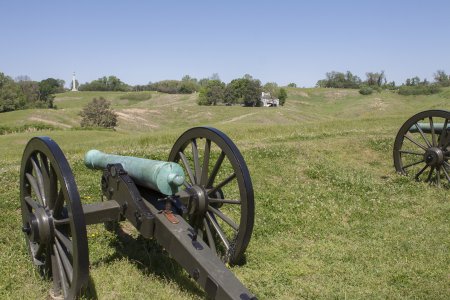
25,128
133,96
98,114
366,90
419,90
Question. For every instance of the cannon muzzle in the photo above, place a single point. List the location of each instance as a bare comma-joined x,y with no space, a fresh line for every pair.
162,176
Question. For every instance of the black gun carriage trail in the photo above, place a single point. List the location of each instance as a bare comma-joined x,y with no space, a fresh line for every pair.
198,205
422,147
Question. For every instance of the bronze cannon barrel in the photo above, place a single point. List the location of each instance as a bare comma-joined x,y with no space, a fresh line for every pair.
426,128
162,176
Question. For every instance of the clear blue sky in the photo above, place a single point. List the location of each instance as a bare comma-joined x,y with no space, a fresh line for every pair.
281,41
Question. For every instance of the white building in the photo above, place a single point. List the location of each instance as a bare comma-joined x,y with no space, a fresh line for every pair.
268,101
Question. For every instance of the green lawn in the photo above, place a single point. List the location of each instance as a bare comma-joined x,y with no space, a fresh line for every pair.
333,219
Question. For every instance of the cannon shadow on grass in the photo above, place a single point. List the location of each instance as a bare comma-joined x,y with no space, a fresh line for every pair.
90,292
150,258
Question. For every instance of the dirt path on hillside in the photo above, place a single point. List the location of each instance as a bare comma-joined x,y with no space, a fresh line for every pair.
237,118
50,122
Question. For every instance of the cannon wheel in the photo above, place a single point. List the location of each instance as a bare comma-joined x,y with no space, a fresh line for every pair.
213,163
425,153
52,218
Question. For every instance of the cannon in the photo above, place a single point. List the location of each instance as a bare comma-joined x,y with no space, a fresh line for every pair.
198,205
422,147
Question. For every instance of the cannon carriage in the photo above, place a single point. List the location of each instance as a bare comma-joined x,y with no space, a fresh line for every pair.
422,147
198,205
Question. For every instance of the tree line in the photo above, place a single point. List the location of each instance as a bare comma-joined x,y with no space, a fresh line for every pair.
376,81
24,93
244,91
212,91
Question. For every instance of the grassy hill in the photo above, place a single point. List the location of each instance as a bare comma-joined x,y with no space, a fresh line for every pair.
333,220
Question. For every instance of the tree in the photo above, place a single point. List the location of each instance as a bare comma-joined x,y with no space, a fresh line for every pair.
22,78
188,85
111,83
204,81
215,76
212,93
442,78
375,79
30,90
340,80
244,90
282,96
98,114
292,85
272,88
47,88
415,81
11,96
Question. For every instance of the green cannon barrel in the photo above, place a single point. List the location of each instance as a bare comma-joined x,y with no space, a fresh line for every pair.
165,177
426,128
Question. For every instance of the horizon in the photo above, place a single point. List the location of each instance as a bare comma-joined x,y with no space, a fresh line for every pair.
274,42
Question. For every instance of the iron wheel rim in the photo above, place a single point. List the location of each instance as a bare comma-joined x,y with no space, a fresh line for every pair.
421,153
216,141
48,192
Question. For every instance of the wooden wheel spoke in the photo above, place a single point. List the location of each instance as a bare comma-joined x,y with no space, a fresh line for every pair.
31,202
34,185
438,175
413,164
61,273
215,169
433,133
224,217
205,165
446,173
219,231
222,184
39,177
197,169
50,182
65,260
444,132
59,204
430,174
422,134
209,236
446,145
39,251
411,139
64,240
412,152
187,167
227,201
64,221
55,275
186,184
421,171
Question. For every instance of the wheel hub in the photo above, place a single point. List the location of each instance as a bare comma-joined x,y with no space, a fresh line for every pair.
434,157
198,204
39,226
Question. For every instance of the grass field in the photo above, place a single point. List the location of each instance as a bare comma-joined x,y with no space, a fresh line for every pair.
333,219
